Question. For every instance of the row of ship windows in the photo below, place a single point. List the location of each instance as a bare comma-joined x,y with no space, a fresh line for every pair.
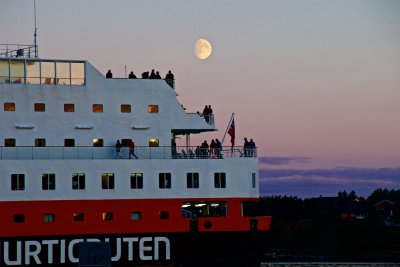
70,142
96,108
108,181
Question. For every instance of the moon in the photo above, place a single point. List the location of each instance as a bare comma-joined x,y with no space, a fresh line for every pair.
202,49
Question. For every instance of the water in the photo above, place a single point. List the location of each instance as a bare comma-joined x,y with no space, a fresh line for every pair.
329,264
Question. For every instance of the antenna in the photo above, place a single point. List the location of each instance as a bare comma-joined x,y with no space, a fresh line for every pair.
35,34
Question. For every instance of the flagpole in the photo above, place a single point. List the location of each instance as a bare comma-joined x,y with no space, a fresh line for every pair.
229,125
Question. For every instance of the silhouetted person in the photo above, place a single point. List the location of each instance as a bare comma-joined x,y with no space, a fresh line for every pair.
219,148
152,74
252,148
131,146
118,148
109,74
145,75
206,114
131,75
158,76
169,79
246,147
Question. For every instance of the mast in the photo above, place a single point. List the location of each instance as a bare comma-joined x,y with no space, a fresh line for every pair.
35,34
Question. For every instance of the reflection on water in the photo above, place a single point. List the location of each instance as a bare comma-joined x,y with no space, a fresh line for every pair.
328,264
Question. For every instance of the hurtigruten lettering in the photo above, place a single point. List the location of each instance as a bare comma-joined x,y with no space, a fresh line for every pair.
61,251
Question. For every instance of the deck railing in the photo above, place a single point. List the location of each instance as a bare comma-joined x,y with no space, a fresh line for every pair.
18,50
88,152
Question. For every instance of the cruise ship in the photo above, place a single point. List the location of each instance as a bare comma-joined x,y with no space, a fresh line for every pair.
71,197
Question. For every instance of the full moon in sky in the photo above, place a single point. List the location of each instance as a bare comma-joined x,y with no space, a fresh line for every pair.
202,49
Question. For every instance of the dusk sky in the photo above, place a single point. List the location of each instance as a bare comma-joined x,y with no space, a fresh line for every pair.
316,83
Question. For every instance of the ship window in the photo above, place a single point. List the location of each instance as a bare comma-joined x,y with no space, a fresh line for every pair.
153,108
17,181
164,180
9,142
17,68
78,181
219,180
97,108
9,106
192,180
77,73
40,107
204,209
136,216
32,72
97,142
48,181
40,142
126,108
69,142
69,108
19,218
63,75
164,215
253,180
79,216
107,181
4,72
107,216
49,217
136,180
153,142
48,73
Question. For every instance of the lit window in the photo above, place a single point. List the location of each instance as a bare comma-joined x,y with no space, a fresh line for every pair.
9,142
136,216
78,181
164,180
48,181
69,107
153,109
153,142
9,106
107,181
19,218
40,142
40,107
79,217
164,215
49,217
97,142
107,216
97,108
192,180
17,182
219,180
126,108
69,142
136,180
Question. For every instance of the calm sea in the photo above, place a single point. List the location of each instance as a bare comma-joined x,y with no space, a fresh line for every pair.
329,264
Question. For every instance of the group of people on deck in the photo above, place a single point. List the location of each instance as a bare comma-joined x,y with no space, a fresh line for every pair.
214,150
130,144
146,75
249,148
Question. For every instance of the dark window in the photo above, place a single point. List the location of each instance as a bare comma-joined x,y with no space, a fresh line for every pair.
107,181
9,142
126,108
49,217
136,180
17,181
40,107
253,180
40,142
164,180
219,180
48,181
164,215
69,142
136,216
192,180
69,107
19,218
79,216
78,181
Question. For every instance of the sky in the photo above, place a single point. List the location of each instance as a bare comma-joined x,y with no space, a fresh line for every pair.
315,83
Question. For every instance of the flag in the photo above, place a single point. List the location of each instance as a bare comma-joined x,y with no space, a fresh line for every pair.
231,132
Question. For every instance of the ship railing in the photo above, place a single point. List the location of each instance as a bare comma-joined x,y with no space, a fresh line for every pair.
110,152
18,50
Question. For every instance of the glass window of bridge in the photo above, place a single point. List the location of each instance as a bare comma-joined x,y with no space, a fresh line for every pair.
78,181
48,72
219,180
77,73
69,142
126,108
9,142
107,216
153,108
49,217
32,72
79,216
48,181
17,182
19,218
153,142
164,180
136,180
40,107
40,142
4,71
136,216
69,107
192,179
9,106
63,73
17,68
97,142
107,180
97,108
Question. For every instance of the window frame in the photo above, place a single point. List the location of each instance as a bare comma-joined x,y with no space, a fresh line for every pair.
80,183
219,180
48,181
164,180
18,182
136,180
107,180
192,180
